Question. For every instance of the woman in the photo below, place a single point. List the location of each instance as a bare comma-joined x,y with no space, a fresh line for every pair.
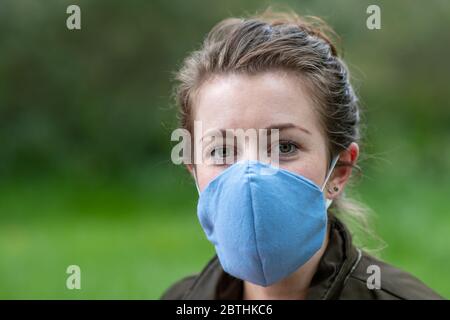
276,233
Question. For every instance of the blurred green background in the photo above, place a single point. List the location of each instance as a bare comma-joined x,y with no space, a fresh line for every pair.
85,123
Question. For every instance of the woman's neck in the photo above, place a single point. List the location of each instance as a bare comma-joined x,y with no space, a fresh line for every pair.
293,287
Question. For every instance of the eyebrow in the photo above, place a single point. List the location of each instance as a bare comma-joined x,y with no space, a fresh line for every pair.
279,126
288,125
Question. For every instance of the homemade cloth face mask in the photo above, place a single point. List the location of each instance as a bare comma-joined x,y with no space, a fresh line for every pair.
265,222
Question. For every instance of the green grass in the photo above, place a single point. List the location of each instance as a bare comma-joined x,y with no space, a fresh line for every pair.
135,258
131,240
134,238
413,220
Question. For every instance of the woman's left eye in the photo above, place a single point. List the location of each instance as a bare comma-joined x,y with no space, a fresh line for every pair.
287,147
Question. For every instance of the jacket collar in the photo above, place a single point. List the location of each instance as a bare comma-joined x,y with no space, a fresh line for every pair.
338,261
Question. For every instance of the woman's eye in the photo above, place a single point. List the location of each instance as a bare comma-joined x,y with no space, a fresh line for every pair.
221,152
287,147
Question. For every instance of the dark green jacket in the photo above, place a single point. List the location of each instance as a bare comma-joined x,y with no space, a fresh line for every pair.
342,274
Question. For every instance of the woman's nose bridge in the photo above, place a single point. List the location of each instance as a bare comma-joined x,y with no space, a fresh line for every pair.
254,145
250,151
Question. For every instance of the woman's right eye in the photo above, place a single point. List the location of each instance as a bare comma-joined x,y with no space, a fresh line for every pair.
221,152
222,155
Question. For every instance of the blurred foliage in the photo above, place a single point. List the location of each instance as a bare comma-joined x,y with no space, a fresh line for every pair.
85,123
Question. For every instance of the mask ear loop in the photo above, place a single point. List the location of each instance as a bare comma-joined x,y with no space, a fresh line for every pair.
195,179
330,171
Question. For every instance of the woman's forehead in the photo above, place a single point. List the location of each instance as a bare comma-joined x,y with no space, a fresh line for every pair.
256,101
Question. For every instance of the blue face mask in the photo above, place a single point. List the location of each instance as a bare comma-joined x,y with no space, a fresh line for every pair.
264,222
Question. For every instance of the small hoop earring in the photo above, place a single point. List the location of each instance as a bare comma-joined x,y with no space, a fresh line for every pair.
335,189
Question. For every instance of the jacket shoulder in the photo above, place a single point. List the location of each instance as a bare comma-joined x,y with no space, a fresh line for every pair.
394,282
177,290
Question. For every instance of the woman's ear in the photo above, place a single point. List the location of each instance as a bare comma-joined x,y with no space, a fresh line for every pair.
342,171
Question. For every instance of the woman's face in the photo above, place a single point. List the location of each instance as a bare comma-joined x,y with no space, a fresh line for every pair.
265,100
